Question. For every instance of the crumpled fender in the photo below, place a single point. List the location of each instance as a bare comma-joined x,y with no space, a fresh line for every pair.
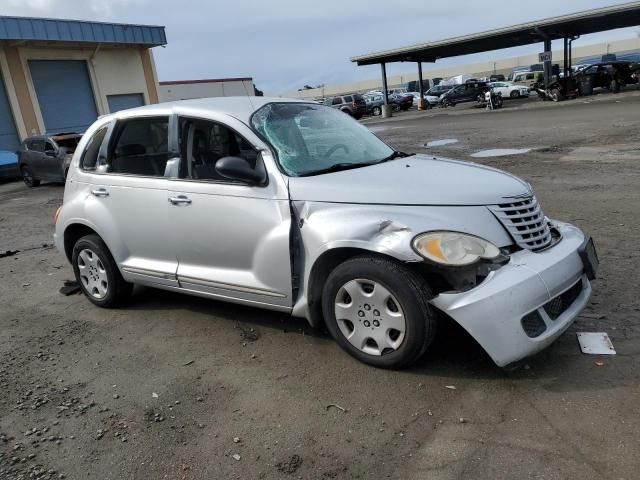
384,229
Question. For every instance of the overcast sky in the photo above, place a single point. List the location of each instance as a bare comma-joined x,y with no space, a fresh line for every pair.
285,44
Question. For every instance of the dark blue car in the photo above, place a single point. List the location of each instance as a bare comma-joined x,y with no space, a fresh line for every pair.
8,164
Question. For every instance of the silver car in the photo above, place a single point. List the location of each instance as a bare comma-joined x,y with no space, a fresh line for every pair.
294,206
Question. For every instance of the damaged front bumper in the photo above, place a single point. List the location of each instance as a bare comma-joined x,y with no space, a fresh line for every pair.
526,305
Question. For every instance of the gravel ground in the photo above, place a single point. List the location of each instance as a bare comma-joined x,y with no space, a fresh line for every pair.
184,388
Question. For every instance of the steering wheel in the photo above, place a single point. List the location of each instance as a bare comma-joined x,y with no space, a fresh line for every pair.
337,146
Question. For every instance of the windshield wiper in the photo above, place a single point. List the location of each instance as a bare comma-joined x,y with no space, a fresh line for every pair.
395,155
337,167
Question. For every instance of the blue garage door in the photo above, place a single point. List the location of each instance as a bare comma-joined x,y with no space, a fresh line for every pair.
122,102
64,94
8,134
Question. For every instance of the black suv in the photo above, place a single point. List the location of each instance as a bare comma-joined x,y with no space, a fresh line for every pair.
611,75
467,92
353,104
46,157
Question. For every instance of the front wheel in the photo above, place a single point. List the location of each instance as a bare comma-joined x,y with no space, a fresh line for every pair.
614,86
97,273
378,311
515,94
376,111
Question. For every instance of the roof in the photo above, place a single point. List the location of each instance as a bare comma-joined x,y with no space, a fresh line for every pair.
59,30
240,108
582,23
207,80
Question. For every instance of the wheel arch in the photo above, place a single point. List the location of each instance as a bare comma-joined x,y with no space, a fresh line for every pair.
320,271
73,233
331,258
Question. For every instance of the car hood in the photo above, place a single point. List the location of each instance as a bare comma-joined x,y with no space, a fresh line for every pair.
414,180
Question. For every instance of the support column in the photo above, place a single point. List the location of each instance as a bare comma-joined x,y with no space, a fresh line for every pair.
386,108
421,102
547,64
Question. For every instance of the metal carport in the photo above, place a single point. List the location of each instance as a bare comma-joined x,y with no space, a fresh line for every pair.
566,27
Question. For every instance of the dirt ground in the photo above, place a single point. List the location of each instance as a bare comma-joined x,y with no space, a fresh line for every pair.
184,388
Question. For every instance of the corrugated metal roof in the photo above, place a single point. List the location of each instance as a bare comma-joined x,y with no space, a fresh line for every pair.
581,23
58,30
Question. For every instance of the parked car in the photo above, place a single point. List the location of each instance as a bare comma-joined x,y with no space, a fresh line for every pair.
401,101
46,157
467,92
291,206
509,89
8,164
434,93
527,79
374,104
353,104
610,75
497,78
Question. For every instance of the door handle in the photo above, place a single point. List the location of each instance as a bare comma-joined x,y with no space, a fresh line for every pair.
180,200
100,192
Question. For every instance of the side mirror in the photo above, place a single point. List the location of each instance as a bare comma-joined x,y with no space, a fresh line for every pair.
236,168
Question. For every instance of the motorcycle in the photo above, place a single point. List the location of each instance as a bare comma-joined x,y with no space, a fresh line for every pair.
492,100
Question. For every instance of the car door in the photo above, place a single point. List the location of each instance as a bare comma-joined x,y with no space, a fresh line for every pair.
128,198
231,238
51,167
501,88
35,157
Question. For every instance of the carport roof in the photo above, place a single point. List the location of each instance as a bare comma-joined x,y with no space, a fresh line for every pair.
58,30
582,23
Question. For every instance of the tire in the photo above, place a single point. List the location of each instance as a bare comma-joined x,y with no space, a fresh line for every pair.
614,86
556,95
347,111
406,296
28,177
97,273
357,116
515,94
376,111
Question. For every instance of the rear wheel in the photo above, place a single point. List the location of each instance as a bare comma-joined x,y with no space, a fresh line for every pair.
378,311
97,273
28,178
376,111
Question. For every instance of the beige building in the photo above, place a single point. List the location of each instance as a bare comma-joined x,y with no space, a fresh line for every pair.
60,75
216,87
500,66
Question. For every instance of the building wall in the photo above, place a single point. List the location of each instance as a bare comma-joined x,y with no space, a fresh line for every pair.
501,66
112,70
170,91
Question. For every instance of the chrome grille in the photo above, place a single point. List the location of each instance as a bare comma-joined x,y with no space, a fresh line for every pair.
524,220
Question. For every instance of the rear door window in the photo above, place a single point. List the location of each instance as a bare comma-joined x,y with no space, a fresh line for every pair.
140,147
89,159
348,99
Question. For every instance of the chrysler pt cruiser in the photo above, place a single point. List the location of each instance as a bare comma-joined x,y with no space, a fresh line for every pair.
296,207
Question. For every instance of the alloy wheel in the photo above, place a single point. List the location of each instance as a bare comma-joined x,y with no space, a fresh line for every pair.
93,275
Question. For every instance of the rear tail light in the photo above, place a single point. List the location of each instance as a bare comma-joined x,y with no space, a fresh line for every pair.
57,214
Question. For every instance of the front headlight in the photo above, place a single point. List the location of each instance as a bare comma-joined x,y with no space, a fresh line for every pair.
453,248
